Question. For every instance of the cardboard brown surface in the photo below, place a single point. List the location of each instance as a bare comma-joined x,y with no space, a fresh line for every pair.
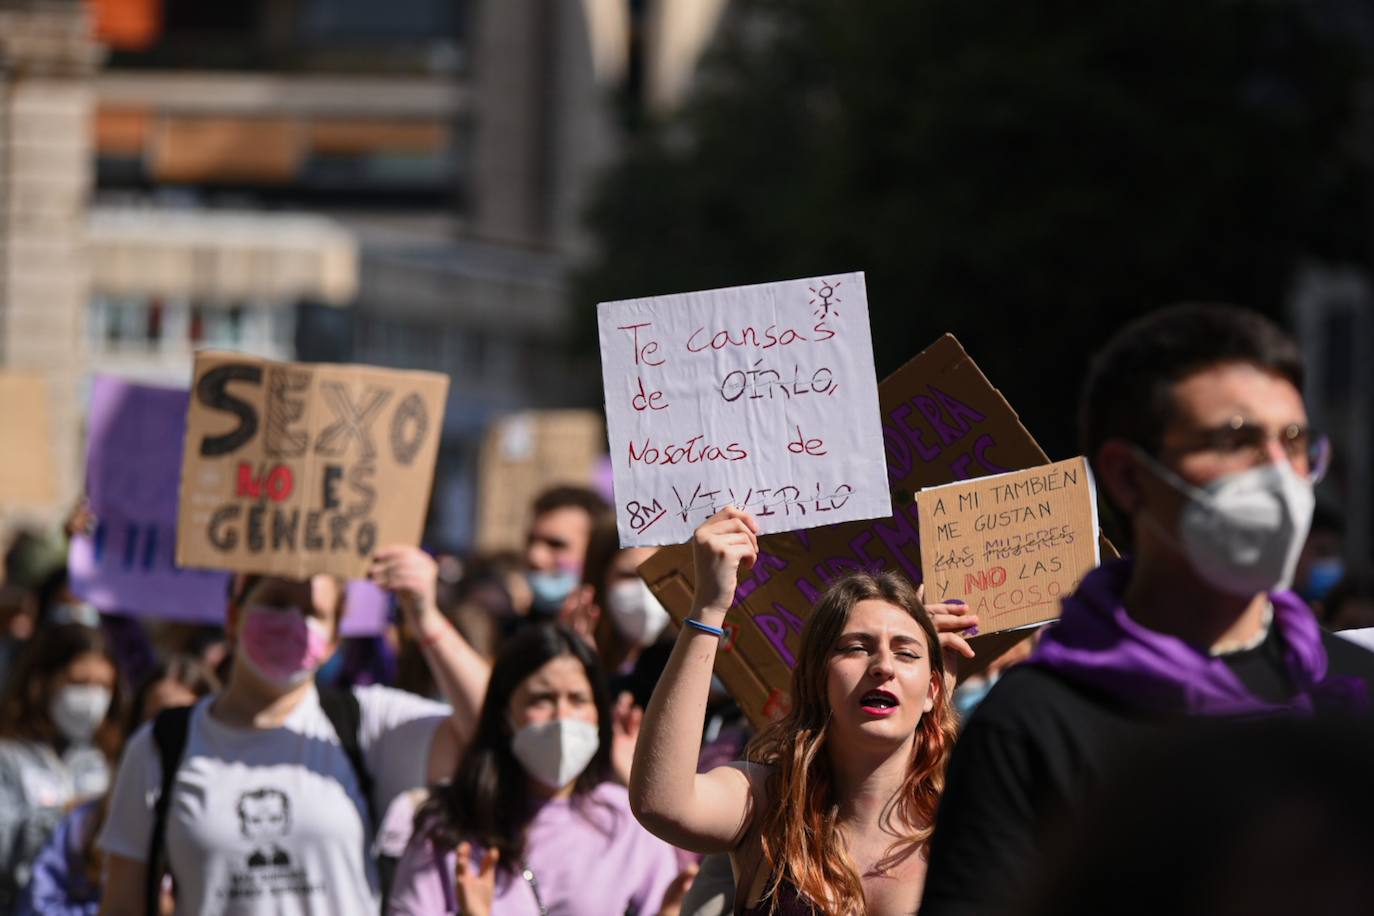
1010,546
942,421
293,468
525,454
26,454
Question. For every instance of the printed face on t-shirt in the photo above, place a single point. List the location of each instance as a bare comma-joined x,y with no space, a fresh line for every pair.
264,814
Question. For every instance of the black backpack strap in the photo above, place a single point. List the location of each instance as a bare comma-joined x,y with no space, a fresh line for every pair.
342,709
169,736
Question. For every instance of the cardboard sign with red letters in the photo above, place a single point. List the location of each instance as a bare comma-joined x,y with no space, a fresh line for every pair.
1010,546
294,469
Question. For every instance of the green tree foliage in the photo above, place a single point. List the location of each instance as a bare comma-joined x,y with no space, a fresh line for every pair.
1027,174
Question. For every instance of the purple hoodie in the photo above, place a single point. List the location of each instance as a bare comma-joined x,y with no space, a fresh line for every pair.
1096,644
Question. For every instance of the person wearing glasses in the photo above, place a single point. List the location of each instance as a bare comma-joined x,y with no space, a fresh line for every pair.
1194,421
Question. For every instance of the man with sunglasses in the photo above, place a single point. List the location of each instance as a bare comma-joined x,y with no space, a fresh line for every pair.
1194,420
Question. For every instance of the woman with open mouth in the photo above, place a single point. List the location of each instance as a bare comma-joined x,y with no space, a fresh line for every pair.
831,810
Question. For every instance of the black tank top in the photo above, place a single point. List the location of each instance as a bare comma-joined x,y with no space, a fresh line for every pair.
790,901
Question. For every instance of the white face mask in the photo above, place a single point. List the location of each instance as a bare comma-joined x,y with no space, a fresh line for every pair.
78,709
556,752
637,614
1242,533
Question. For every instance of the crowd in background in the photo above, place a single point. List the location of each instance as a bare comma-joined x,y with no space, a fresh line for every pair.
504,701
79,683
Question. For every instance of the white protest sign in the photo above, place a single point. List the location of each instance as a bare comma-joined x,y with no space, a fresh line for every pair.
1362,637
762,397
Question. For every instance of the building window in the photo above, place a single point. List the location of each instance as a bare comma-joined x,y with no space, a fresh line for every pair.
122,324
153,332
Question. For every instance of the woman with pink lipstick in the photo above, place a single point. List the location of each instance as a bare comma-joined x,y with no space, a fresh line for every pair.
263,798
833,807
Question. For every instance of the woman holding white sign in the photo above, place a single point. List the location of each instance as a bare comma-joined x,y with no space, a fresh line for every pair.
264,797
833,809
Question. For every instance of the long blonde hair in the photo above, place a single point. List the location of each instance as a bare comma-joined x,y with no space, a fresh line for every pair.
798,833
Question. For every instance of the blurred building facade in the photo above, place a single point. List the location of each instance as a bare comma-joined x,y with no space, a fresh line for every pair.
398,184
48,58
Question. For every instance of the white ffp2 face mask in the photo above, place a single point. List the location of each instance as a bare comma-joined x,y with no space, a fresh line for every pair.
556,752
636,613
1242,533
78,709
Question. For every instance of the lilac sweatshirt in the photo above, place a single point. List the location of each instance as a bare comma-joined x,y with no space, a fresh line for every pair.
590,861
58,885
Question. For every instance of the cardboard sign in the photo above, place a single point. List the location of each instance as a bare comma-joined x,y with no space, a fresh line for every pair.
128,564
525,454
760,396
26,453
941,421
292,469
1010,546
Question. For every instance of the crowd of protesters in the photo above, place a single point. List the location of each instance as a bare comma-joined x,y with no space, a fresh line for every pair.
533,734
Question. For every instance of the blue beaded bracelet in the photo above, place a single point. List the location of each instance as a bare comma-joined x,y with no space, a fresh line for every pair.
704,627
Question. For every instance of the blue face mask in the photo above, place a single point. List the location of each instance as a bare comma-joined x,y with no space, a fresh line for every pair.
550,590
1322,576
74,612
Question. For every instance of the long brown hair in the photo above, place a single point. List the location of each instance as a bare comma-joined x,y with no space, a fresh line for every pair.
489,799
24,712
798,833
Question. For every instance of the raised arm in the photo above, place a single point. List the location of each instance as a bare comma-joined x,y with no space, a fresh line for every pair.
459,670
706,812
122,890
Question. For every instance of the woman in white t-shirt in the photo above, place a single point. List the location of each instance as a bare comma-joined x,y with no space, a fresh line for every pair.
266,815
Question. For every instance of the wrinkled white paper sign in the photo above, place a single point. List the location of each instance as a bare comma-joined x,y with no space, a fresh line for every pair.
758,396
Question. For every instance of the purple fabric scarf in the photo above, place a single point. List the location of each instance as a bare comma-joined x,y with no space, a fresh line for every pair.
1096,644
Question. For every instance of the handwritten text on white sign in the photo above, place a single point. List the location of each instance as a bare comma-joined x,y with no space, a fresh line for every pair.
762,397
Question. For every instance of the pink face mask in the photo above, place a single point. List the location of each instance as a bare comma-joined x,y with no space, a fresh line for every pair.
281,645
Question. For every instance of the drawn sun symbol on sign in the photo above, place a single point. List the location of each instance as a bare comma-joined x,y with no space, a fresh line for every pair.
826,295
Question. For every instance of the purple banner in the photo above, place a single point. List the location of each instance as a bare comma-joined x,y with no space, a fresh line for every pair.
133,467
133,471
